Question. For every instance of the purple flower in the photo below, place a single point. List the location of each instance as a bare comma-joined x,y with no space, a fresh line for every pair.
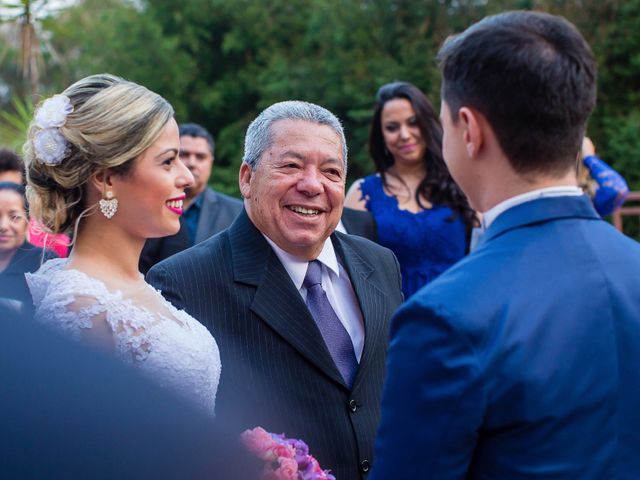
301,447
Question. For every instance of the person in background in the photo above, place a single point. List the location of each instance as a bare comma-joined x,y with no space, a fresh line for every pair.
207,212
12,170
420,212
603,184
17,256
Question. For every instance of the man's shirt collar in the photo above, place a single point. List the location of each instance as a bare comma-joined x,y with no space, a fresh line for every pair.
297,268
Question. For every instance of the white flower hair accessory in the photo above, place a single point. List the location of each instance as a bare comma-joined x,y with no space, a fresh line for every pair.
53,112
49,144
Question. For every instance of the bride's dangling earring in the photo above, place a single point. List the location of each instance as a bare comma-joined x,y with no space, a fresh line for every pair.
109,205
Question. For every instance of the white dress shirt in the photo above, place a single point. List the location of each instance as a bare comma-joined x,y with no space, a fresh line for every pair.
335,282
490,215
340,227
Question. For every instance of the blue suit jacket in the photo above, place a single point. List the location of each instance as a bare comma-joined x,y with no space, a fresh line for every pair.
522,360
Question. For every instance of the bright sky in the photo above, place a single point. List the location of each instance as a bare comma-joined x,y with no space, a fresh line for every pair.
42,7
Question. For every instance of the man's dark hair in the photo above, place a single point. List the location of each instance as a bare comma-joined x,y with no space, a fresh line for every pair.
10,161
197,131
533,76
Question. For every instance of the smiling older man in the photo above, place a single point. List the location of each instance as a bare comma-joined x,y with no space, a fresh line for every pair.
300,313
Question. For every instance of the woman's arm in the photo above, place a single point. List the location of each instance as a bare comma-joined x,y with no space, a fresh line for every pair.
354,198
612,188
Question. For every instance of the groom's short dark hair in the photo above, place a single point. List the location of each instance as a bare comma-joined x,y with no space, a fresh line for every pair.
533,76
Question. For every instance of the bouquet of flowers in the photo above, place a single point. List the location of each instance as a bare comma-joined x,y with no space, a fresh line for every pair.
287,458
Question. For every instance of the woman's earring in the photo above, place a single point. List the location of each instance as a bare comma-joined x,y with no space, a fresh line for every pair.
109,206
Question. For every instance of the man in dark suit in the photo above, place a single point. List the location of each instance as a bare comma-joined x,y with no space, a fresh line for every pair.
206,212
300,312
521,361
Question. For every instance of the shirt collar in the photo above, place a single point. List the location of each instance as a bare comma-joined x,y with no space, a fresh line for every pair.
490,215
297,268
197,203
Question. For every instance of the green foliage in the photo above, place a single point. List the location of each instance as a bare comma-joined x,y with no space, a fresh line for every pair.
15,122
624,145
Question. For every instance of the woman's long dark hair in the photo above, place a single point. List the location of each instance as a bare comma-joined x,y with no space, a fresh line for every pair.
438,186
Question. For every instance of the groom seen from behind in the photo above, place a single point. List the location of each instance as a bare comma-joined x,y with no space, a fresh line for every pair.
300,312
520,362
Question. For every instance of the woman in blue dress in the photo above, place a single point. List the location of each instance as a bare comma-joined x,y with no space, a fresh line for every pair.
421,214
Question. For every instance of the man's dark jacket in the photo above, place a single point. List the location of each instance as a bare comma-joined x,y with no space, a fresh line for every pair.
276,368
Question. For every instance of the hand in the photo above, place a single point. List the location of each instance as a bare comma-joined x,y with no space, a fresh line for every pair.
588,148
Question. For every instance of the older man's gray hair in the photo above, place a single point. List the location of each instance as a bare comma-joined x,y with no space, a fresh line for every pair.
260,137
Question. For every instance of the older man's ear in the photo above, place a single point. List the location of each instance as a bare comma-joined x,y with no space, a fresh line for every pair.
244,178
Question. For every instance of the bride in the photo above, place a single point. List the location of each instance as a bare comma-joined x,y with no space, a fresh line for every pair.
102,160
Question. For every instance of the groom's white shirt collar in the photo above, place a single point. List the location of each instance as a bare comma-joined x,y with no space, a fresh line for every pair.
490,215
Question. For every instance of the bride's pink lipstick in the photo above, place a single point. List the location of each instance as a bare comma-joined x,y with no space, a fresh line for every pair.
175,204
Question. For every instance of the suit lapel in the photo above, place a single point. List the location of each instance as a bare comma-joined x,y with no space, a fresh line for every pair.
276,300
371,299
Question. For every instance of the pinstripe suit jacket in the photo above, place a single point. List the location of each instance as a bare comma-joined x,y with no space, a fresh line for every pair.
276,369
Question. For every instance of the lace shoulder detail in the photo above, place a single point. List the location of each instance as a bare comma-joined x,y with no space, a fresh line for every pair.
167,344
64,300
72,301
40,280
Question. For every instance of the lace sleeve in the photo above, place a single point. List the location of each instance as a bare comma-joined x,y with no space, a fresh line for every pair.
88,320
112,326
84,309
73,313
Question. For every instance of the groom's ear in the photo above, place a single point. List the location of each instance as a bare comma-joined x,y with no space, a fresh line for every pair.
245,180
473,133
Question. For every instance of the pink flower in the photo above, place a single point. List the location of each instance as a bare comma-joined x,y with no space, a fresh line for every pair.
287,459
269,473
260,442
288,469
284,451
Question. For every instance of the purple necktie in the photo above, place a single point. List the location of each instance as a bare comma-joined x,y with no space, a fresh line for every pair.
333,332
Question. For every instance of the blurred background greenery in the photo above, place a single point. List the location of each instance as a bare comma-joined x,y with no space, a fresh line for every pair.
220,62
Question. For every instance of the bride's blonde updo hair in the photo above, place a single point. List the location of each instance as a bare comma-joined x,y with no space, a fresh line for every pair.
112,122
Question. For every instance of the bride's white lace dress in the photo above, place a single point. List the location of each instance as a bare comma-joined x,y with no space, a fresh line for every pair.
167,344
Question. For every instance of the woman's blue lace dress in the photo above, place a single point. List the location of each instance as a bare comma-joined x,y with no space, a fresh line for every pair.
426,243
